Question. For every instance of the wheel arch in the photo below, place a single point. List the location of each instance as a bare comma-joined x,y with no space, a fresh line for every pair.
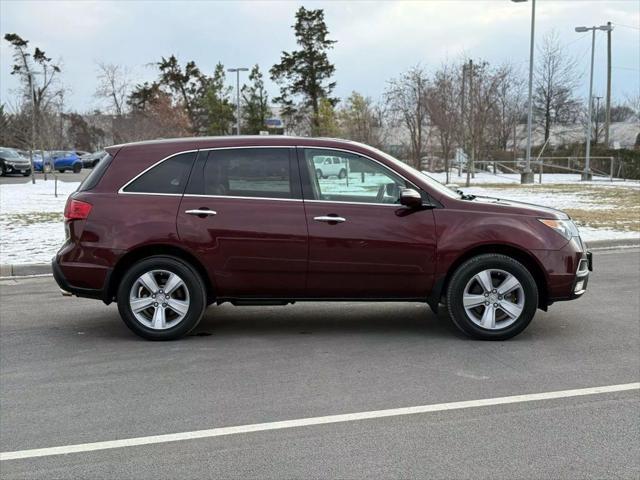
529,261
146,251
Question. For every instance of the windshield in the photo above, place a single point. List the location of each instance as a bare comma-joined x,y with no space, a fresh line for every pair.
9,153
432,182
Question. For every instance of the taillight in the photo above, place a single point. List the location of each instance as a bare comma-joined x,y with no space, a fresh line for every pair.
76,210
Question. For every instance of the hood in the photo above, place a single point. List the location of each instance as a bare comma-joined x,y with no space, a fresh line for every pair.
521,208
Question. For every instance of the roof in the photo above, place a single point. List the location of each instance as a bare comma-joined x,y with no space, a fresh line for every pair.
195,143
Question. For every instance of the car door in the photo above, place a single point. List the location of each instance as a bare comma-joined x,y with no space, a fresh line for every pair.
243,214
362,242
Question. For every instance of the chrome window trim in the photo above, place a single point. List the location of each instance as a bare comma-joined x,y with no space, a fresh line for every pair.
237,197
395,205
121,190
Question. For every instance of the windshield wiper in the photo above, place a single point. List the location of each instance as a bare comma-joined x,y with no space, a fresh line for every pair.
465,196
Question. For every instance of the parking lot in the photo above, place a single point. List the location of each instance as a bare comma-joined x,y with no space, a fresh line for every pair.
71,373
62,177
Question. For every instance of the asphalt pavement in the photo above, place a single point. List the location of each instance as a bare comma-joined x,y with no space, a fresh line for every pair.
72,373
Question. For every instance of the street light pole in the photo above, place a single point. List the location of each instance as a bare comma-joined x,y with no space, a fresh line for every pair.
586,174
595,140
527,175
237,72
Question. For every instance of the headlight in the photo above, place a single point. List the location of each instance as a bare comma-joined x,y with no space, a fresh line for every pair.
566,228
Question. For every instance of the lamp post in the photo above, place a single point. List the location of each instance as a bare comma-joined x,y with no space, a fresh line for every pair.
527,175
586,174
595,140
237,72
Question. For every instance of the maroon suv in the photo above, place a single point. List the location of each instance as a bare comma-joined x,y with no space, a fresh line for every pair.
166,228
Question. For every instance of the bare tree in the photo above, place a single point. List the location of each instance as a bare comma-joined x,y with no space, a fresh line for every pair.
406,99
556,80
510,104
114,86
442,103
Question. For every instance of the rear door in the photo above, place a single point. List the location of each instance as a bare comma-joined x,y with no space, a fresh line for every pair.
362,242
243,215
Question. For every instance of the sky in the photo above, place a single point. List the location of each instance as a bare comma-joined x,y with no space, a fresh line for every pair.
376,40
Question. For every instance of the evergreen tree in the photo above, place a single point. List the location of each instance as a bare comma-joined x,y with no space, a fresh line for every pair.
215,106
305,74
256,103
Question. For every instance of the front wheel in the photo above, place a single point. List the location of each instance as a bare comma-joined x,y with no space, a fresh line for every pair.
161,298
492,297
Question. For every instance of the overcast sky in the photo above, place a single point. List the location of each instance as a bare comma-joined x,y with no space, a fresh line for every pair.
376,40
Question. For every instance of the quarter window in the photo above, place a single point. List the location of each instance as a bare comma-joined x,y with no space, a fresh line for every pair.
248,172
348,177
170,176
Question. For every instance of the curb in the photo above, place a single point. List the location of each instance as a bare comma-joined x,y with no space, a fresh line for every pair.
25,270
29,269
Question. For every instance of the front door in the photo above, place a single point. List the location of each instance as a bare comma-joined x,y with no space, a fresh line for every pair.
362,242
243,214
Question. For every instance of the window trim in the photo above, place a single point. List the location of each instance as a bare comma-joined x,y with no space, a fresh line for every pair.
298,160
197,152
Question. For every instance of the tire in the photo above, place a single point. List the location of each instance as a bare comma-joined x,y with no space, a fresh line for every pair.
486,315
342,174
169,326
319,174
76,168
62,170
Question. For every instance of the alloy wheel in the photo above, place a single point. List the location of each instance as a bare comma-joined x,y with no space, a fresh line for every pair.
159,299
493,299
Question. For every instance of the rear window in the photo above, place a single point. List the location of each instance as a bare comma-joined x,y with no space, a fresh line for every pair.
96,174
168,177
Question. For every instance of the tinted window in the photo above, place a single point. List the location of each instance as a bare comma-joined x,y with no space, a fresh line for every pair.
248,172
358,179
170,176
96,174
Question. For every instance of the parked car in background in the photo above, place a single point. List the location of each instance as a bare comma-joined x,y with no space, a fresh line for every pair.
12,162
330,166
60,160
166,228
90,160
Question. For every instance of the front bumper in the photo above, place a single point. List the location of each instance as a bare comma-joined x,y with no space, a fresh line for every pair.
17,167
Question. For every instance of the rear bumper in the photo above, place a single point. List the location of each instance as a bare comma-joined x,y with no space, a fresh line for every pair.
85,292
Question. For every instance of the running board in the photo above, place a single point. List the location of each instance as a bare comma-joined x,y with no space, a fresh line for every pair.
260,303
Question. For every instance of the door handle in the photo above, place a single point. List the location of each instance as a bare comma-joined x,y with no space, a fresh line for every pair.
200,212
329,219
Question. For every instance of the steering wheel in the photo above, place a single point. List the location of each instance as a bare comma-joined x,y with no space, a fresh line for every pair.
380,195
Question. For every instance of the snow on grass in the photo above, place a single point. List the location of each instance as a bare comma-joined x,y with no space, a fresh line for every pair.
31,228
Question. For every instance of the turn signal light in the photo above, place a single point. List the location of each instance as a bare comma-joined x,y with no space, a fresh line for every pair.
76,210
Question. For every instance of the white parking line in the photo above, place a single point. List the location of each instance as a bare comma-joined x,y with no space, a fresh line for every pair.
306,422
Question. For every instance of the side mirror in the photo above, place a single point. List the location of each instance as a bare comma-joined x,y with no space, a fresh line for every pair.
410,198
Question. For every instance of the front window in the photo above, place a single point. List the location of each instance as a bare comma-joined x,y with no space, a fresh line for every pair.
352,178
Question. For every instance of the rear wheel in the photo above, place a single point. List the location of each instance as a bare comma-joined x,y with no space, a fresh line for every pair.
161,298
342,174
492,297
